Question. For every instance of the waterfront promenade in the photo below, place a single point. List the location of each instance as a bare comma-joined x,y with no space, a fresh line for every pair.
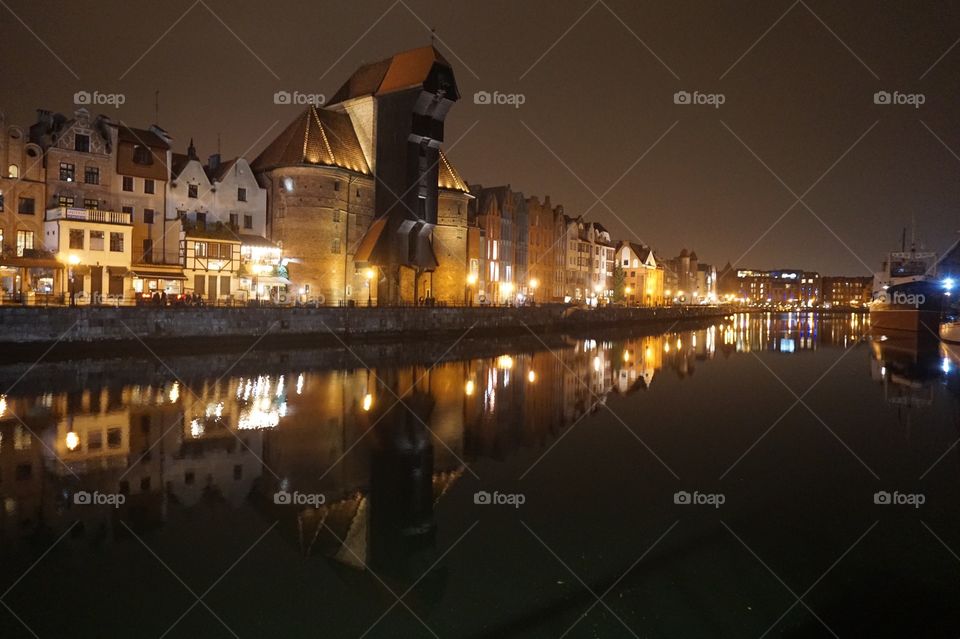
210,327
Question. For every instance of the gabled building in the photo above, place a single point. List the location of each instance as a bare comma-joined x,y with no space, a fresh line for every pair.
643,277
25,267
220,213
545,276
83,223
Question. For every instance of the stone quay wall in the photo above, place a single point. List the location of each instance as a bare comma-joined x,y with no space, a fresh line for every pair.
35,325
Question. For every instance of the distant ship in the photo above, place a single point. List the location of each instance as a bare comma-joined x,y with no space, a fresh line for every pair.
906,293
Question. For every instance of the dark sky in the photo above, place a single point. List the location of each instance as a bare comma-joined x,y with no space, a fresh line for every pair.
800,98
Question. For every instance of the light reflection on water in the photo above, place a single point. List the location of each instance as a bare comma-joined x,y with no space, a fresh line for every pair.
223,433
406,434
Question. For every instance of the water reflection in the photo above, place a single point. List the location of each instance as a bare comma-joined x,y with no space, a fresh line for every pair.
383,445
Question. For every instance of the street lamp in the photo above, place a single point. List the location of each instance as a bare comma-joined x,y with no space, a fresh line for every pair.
369,275
468,297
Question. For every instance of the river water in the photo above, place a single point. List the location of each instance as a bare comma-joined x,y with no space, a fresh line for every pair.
771,475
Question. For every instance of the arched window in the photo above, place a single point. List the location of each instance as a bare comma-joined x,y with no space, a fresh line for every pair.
13,171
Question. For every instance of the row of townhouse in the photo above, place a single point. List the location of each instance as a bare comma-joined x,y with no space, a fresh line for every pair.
352,203
101,212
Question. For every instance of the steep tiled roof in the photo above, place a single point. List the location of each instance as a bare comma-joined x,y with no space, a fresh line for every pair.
317,136
400,71
216,175
449,178
141,136
178,162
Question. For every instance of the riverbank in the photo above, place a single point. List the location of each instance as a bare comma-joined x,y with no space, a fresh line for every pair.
109,331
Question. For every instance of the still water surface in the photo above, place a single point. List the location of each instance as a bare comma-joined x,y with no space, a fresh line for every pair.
279,497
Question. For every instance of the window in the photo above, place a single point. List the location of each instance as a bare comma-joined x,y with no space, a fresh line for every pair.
114,437
26,206
24,242
234,220
248,221
116,242
241,195
13,171
335,246
96,240
76,239
142,155
91,204
81,143
91,175
65,200
147,216
67,171
192,191
128,183
149,186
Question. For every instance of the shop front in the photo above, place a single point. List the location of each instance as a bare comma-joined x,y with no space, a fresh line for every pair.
151,282
29,280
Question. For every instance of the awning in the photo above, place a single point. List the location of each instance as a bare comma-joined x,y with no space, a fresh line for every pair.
149,274
30,262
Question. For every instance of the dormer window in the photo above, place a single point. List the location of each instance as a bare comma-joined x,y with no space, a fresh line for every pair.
142,155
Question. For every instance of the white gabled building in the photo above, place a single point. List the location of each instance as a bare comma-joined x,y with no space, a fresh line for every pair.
223,216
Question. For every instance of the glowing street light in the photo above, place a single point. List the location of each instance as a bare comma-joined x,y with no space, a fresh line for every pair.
369,274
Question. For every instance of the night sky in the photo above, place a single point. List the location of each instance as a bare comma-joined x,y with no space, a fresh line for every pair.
799,104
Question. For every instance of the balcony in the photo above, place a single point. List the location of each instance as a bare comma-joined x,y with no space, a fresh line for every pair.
89,215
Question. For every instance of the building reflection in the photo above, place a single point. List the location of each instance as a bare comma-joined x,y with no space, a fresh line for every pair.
383,445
